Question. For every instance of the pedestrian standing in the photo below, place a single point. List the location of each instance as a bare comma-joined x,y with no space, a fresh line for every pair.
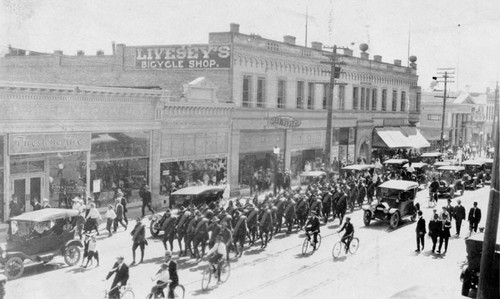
445,234
92,219
110,217
474,218
434,230
459,216
92,251
138,239
145,195
123,201
80,219
119,215
421,231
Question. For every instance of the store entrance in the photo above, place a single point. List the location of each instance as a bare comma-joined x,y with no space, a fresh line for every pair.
28,189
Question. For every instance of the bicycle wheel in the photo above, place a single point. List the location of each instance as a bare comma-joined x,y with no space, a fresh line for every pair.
128,294
354,245
319,242
207,276
305,245
337,249
225,270
179,291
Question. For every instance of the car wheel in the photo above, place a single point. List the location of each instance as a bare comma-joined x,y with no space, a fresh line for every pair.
153,230
394,222
466,285
367,217
14,268
72,255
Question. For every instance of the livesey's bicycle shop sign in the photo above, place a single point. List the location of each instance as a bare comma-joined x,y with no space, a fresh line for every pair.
184,57
284,121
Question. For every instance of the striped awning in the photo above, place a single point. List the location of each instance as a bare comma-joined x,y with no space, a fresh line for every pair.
398,137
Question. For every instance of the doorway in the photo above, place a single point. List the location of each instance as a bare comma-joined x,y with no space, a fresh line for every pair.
28,189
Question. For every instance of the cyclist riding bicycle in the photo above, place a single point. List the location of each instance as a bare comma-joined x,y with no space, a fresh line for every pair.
162,278
312,225
216,254
349,233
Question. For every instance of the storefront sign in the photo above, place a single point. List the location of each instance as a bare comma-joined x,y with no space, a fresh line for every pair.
284,121
48,143
184,57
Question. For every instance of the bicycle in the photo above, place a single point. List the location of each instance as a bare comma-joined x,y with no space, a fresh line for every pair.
339,246
179,292
125,292
225,269
308,240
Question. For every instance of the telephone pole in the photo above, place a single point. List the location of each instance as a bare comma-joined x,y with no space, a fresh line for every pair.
446,76
487,268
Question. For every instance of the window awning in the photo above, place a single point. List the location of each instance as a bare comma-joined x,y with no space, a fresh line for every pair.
398,137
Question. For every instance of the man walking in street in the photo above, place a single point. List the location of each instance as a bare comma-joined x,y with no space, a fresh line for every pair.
119,216
138,239
421,231
474,218
145,195
459,216
434,230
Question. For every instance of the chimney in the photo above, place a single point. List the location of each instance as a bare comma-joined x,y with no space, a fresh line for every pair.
317,46
377,58
364,55
99,53
113,48
235,28
288,39
397,62
80,53
58,52
347,52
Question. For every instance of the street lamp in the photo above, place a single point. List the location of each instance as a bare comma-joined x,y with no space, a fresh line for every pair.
276,154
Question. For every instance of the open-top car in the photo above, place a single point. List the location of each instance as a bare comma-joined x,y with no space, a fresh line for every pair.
308,177
431,158
450,180
39,236
356,169
488,167
418,172
474,173
395,200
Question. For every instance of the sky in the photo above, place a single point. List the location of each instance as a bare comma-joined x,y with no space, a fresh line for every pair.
459,34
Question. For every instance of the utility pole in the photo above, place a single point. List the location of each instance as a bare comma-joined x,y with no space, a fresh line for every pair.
334,73
487,268
446,76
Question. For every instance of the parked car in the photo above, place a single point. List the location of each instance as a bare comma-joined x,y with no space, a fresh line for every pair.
471,269
308,177
474,173
488,167
394,165
450,180
395,200
40,236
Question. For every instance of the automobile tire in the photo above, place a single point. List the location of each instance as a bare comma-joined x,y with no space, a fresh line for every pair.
394,222
367,217
72,255
466,285
14,268
154,232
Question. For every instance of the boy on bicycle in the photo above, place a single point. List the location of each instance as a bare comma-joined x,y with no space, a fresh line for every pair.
216,254
312,225
349,233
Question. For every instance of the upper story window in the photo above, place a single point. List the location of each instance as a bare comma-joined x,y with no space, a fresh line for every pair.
367,99
261,92
273,46
362,99
384,99
434,117
281,94
310,95
341,97
300,94
394,100
325,95
403,100
355,98
374,99
246,98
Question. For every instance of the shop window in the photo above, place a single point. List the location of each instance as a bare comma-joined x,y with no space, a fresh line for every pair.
180,174
341,97
394,100
355,98
119,161
261,92
281,94
300,94
403,101
67,177
374,99
310,95
246,98
384,99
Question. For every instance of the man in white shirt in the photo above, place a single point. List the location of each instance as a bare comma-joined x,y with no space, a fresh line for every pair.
161,278
216,254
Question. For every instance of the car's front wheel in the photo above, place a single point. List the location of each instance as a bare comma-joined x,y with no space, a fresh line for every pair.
394,222
72,255
367,217
14,268
466,282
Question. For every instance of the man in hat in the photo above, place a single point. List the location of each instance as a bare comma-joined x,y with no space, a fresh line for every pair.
302,208
252,221
266,225
216,254
214,229
172,273
145,195
290,214
190,229
123,201
92,251
119,215
182,224
162,278
421,231
313,226
474,218
168,227
200,237
138,239
240,232
349,233
121,277
459,215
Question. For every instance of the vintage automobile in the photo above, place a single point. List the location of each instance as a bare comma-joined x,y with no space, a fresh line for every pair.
308,177
419,173
450,180
356,169
39,236
474,173
488,167
431,158
394,165
470,270
395,200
